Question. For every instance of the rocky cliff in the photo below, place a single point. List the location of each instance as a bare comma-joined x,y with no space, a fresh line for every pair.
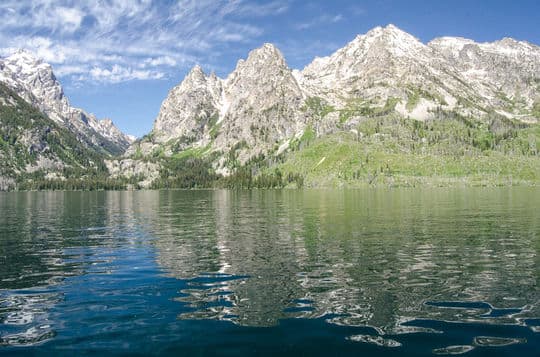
263,106
34,147
34,81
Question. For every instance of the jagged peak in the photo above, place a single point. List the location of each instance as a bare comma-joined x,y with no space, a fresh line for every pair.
510,42
506,45
269,47
24,56
195,75
392,27
388,30
213,78
26,62
266,51
389,37
265,56
197,71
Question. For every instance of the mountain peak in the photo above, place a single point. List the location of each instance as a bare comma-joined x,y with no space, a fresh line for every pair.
23,57
25,61
389,39
266,51
509,42
261,58
34,80
196,75
389,29
391,34
392,27
197,69
269,46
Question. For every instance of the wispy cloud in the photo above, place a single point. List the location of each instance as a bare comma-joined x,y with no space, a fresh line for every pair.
118,74
358,10
321,20
120,40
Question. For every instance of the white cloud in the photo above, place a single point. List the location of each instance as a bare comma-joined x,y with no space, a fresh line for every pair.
71,18
357,10
70,70
321,20
159,61
118,40
118,74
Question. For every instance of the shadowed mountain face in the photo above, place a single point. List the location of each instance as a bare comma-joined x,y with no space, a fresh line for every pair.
472,98
33,146
34,81
263,105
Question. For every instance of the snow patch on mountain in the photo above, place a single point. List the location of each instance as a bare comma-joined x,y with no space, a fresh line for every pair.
35,82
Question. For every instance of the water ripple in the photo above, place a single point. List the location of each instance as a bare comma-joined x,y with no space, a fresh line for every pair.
412,271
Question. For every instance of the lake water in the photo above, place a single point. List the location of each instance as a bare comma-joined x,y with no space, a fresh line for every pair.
314,272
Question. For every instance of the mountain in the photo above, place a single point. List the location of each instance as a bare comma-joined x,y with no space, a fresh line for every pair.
257,105
35,147
34,81
505,73
261,104
264,109
387,64
384,108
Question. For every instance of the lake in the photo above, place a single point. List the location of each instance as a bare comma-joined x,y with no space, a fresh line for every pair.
271,272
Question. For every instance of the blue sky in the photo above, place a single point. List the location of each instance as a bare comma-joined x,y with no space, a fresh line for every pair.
119,58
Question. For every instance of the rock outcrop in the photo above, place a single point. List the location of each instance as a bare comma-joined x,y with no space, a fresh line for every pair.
34,81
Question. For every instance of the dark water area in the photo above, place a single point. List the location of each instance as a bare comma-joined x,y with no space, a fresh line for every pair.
270,272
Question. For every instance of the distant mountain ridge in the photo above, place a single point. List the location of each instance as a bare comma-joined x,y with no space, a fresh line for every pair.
263,106
34,81
34,147
376,109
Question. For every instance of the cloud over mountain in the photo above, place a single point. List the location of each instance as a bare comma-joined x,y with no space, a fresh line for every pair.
119,40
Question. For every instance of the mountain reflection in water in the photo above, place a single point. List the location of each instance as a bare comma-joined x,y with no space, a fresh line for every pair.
364,258
459,268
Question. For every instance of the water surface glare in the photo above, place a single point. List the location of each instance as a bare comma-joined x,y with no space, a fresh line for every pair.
268,272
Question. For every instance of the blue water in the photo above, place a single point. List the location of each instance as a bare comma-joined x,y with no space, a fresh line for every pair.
385,272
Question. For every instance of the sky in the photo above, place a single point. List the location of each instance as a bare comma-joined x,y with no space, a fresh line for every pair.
119,58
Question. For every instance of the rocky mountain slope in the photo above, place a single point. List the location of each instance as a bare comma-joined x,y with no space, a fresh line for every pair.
257,105
388,67
34,147
385,95
263,107
35,82
505,73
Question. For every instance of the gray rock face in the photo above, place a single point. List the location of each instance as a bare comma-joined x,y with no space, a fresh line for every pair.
129,168
34,81
190,109
506,72
263,104
256,107
387,63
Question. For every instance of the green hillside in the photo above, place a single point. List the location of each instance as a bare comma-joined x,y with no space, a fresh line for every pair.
396,151
36,153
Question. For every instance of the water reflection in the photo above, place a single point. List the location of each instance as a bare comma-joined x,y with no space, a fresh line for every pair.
378,266
46,238
357,258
